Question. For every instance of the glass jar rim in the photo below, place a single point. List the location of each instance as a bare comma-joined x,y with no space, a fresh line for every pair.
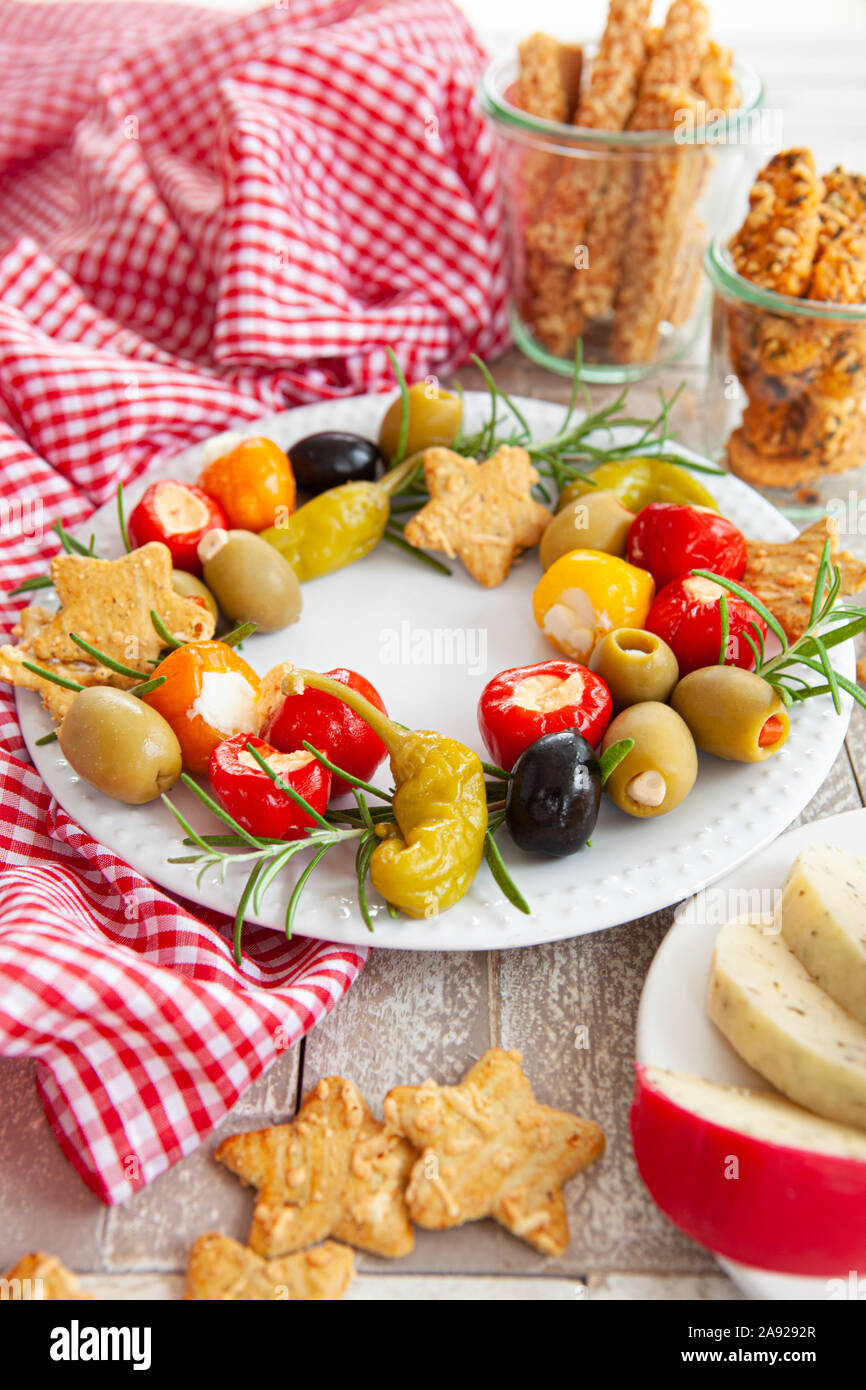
719,265
499,74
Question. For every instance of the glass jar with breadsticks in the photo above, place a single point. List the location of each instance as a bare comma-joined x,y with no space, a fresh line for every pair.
618,161
786,395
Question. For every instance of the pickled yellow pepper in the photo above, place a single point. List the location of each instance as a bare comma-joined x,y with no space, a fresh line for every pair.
339,526
433,851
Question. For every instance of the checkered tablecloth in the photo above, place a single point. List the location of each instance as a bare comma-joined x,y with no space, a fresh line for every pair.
203,218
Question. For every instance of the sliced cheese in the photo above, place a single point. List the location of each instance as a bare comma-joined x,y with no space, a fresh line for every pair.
824,922
784,1024
759,1114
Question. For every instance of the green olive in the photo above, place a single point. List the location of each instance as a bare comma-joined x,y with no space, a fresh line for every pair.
635,666
733,713
188,586
597,521
434,418
250,580
661,769
120,745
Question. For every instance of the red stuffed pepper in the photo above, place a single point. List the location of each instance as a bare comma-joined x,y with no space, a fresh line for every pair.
521,705
330,726
669,540
178,514
687,615
255,800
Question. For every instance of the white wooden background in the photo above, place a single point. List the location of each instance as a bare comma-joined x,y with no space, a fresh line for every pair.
410,1016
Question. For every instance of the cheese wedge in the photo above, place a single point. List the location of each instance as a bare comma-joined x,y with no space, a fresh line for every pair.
784,1024
760,1115
824,922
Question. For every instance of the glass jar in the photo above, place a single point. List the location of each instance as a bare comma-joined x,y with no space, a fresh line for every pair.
608,228
785,404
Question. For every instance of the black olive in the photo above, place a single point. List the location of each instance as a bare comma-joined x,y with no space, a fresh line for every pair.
554,794
328,459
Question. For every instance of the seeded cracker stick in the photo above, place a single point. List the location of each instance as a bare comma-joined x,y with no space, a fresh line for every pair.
688,275
674,61
548,83
551,242
665,196
776,245
716,80
548,86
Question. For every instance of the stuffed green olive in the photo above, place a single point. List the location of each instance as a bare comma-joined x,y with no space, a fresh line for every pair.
661,769
635,666
732,713
250,580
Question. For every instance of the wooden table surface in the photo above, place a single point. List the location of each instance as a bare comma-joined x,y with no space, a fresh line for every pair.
411,1016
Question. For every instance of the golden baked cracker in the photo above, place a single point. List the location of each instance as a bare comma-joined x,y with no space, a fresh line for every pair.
489,1149
844,202
716,80
776,245
772,426
108,603
790,347
839,276
40,1278
548,80
688,275
55,698
843,363
782,574
761,470
606,104
334,1171
482,512
222,1270
665,195
680,49
547,87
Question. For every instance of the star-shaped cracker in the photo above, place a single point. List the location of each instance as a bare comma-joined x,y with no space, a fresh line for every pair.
335,1171
482,512
782,574
108,603
489,1149
43,1277
222,1270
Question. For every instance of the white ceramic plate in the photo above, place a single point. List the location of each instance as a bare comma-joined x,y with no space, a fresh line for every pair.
430,644
673,1028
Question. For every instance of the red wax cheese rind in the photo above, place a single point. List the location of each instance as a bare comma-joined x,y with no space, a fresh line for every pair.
791,1209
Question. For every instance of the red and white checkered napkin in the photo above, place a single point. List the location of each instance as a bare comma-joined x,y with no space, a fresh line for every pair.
203,218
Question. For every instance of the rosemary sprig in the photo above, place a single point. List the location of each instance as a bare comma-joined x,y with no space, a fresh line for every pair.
109,661
830,623
121,520
27,586
396,539
496,865
163,632
725,622
404,409
239,634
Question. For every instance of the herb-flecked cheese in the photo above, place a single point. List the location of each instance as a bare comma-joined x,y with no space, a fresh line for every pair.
784,1024
824,922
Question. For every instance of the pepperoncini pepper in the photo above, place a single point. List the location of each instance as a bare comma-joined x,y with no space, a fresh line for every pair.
639,481
339,526
433,851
